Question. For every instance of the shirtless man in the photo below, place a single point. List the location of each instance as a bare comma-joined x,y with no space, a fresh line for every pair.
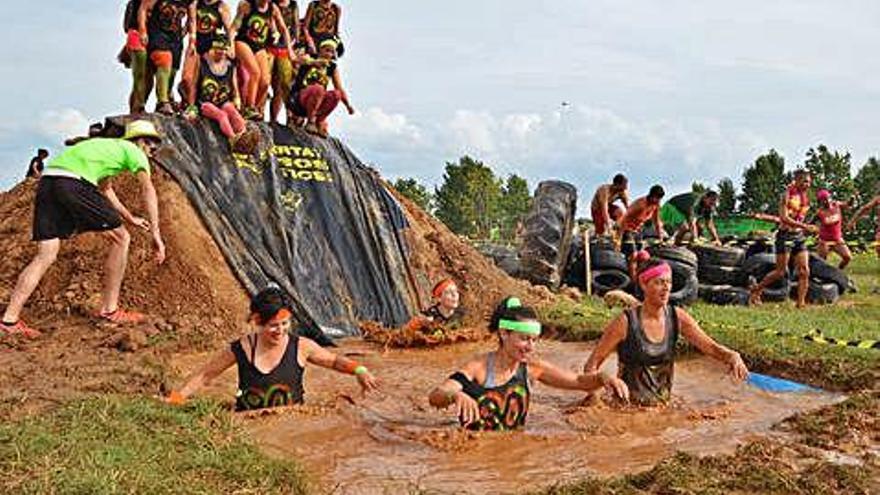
602,207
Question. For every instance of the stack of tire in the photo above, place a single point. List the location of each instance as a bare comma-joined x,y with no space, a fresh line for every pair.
505,257
723,276
827,282
547,233
685,266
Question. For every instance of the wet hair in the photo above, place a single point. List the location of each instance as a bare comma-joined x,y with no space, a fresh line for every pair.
710,194
619,180
511,309
656,191
268,302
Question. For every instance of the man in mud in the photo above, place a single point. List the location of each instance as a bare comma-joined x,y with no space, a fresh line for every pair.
642,210
697,209
603,208
75,195
791,239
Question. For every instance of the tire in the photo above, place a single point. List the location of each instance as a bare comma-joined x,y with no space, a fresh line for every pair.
719,255
722,275
826,273
818,292
504,257
674,253
685,286
548,231
607,280
574,274
759,265
602,257
724,295
608,260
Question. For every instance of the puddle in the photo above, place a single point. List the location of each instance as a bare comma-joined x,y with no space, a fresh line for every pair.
394,441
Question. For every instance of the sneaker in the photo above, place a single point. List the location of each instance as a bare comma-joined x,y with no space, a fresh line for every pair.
165,108
246,143
122,316
19,328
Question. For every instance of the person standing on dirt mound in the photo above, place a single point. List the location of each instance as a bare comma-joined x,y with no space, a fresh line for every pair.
874,204
791,240
642,210
75,195
271,362
162,25
696,209
830,216
445,312
322,22
491,392
603,209
645,337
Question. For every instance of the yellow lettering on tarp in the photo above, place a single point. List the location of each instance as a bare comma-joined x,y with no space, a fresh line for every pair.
291,200
302,163
245,161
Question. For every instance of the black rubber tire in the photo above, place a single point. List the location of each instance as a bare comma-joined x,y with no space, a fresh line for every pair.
574,274
719,255
602,256
608,280
818,292
548,231
722,275
603,259
826,273
758,266
724,295
674,253
685,286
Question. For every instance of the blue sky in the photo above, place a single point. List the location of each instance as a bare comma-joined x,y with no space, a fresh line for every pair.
666,91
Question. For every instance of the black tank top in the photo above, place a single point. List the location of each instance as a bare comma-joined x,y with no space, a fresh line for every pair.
324,20
280,387
209,23
647,367
289,20
215,88
255,27
167,17
502,407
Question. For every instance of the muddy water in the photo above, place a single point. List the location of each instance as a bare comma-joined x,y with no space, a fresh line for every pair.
394,441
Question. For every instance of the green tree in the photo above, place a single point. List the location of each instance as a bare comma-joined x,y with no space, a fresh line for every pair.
515,203
726,197
698,188
830,170
867,183
469,199
415,192
763,182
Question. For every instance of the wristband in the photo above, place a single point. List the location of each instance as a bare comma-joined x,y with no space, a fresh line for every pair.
360,370
176,398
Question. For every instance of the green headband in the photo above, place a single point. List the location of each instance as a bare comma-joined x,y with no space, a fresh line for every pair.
526,327
513,302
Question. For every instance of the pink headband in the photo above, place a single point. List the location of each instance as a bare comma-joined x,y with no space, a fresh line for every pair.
654,272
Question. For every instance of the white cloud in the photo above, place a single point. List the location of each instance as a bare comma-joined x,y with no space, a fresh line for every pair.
377,125
63,123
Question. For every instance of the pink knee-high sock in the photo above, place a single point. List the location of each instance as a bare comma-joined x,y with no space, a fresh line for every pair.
211,111
235,118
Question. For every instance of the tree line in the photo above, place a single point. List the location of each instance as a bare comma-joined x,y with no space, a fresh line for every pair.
471,200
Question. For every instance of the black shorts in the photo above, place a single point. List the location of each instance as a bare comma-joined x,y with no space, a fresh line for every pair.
789,242
631,243
161,41
65,206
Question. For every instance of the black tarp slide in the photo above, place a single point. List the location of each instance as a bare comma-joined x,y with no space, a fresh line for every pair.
303,213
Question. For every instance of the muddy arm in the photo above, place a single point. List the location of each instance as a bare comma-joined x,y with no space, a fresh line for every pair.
319,356
691,330
218,364
612,336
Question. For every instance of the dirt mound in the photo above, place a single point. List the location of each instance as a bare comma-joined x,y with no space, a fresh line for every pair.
193,300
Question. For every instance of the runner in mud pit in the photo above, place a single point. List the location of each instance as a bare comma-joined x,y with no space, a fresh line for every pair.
645,337
271,362
491,392
830,214
445,312
790,239
75,195
603,209
875,205
642,210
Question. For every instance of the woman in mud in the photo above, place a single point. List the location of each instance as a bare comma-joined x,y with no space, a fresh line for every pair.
491,392
645,337
274,348
445,311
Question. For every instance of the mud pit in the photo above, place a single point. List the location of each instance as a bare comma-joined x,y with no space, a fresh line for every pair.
394,441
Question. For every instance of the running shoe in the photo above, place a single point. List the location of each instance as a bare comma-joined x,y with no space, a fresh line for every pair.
19,328
122,316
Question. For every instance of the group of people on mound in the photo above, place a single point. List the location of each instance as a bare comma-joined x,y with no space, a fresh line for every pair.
230,62
628,221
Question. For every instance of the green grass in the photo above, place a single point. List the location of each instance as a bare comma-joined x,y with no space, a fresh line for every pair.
112,444
855,317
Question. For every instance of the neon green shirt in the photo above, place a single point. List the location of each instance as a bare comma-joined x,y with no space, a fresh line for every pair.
98,158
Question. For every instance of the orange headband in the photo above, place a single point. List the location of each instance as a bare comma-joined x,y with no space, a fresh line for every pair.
441,286
281,315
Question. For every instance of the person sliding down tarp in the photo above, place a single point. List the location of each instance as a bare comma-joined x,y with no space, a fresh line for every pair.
310,217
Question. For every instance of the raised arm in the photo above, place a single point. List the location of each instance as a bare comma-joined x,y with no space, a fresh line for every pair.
861,212
691,331
217,365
